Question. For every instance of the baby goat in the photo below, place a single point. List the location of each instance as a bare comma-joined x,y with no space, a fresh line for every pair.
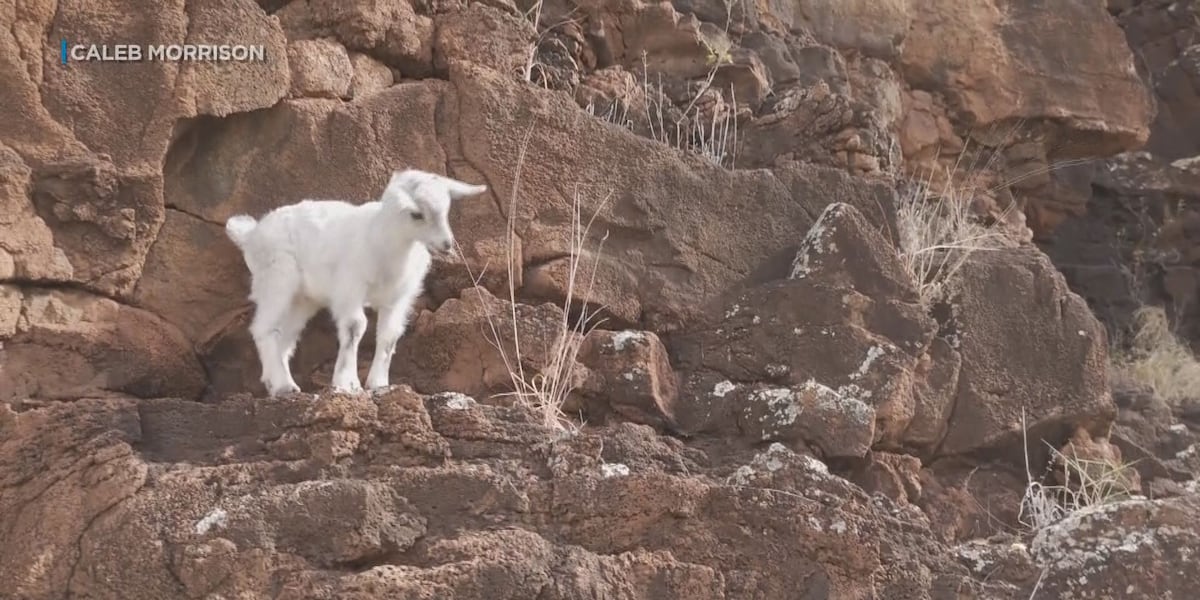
332,254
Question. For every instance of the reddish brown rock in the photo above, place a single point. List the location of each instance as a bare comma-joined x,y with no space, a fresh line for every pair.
875,28
370,75
968,501
115,181
1088,458
390,30
455,347
27,249
193,275
1054,364
320,69
104,219
484,36
70,344
100,100
847,319
935,388
629,374
833,422
705,246
265,517
98,187
897,476
222,88
83,466
976,58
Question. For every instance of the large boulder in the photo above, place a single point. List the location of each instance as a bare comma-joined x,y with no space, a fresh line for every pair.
843,334
1053,368
1131,547
993,61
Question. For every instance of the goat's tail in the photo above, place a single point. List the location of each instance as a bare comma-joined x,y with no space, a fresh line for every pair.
239,227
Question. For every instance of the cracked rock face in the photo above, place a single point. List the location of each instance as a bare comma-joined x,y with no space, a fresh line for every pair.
305,497
137,217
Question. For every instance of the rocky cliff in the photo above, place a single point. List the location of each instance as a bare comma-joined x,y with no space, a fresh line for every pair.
800,381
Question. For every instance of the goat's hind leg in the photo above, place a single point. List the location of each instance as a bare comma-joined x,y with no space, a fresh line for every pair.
294,321
291,326
271,319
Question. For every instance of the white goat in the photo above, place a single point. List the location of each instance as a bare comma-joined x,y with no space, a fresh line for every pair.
333,254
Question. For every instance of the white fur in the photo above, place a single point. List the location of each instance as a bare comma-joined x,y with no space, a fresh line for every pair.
333,254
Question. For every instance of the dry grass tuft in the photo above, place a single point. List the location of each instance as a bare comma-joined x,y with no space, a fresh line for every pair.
1086,483
1158,358
713,136
547,390
938,229
937,233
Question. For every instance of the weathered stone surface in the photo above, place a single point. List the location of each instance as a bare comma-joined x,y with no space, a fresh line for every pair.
27,249
455,347
834,423
847,319
897,476
98,187
389,30
1079,551
978,58
484,36
69,344
116,280
630,375
712,241
1162,35
104,219
320,69
271,515
869,26
193,275
99,99
370,75
1054,363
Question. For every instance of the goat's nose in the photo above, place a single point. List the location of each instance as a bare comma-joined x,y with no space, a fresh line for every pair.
446,246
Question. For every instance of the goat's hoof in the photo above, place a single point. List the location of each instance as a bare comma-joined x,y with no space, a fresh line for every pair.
352,387
284,390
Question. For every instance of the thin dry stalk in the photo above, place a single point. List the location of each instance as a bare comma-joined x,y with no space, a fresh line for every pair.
546,391
534,16
937,231
550,389
617,113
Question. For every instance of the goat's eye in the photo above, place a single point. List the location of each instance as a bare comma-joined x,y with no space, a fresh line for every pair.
418,216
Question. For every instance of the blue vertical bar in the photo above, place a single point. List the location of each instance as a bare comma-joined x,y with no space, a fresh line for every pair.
64,51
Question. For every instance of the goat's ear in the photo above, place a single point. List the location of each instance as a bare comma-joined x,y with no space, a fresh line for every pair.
458,189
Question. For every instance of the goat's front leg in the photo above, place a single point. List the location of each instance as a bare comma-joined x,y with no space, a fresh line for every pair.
390,326
351,325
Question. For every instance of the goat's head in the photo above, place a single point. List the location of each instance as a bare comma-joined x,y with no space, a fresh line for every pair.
424,200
